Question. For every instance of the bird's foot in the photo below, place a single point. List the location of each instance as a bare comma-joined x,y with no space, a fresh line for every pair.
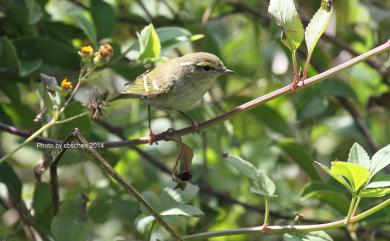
294,85
195,127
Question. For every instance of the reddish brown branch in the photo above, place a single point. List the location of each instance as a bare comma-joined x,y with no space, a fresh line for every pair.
244,107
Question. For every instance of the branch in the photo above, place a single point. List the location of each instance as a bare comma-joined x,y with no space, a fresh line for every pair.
230,114
289,228
260,100
123,182
141,4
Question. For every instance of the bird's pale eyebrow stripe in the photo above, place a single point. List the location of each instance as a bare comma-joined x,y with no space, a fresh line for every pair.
186,63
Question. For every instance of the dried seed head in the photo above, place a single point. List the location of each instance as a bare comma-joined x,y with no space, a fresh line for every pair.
103,56
96,102
105,50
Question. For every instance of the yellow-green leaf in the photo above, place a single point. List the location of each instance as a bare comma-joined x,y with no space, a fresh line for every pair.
356,174
316,27
374,192
149,42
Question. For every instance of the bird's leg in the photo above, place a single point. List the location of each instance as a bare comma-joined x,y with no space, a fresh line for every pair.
150,134
195,126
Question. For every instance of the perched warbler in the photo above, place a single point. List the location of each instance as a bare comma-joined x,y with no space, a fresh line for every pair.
177,84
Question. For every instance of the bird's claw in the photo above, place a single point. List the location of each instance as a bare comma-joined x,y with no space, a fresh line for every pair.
195,127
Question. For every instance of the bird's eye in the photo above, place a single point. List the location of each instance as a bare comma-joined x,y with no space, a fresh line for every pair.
206,68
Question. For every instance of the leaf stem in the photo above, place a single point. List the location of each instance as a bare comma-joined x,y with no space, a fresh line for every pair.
150,231
351,208
266,212
295,66
71,118
356,206
289,228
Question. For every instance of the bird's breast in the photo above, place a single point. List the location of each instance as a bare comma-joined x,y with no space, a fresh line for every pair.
183,94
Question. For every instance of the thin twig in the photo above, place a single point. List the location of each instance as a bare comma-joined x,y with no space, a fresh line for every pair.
55,196
289,228
123,182
142,5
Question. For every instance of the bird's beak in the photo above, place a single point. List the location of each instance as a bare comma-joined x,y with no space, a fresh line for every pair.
228,71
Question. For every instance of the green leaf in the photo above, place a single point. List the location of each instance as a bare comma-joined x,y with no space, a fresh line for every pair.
8,57
28,67
84,24
150,46
356,174
183,210
34,11
196,37
178,195
379,184
172,37
42,197
311,104
335,87
69,225
288,19
312,236
374,192
300,155
141,224
359,156
10,88
316,28
380,160
273,120
153,200
103,17
244,167
9,178
327,194
265,184
338,178
55,56
51,86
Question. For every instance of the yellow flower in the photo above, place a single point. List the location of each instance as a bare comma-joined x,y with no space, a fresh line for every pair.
86,50
66,84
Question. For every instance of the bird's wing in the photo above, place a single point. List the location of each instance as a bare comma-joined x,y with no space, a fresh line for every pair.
147,85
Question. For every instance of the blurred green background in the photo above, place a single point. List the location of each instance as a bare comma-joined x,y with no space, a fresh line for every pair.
283,137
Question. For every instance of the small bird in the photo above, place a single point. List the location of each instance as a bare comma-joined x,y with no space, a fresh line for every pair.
176,84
